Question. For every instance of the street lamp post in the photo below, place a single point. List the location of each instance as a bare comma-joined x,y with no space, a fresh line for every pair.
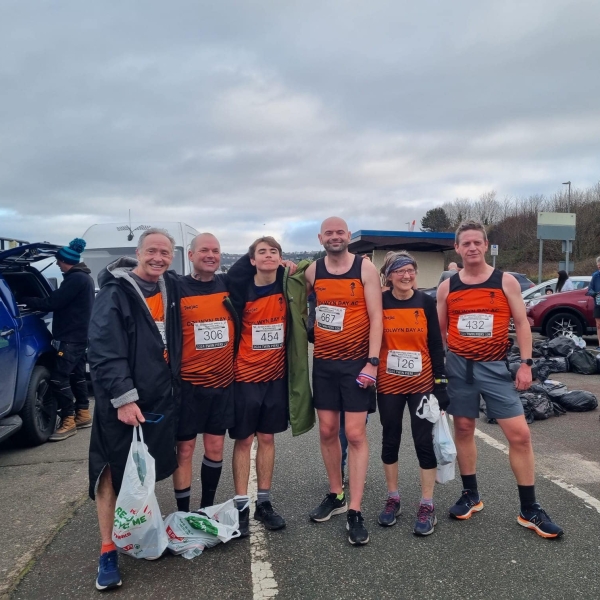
567,242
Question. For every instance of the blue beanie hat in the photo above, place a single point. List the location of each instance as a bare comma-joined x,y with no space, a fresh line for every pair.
71,254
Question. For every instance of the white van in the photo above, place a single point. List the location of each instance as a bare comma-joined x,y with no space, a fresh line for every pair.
105,242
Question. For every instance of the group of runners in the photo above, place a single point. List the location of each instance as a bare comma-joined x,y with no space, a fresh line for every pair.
214,353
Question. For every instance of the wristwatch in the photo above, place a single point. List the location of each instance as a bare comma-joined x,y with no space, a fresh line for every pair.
527,361
373,360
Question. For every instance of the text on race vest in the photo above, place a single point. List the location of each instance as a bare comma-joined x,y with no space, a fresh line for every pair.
267,337
476,325
404,362
213,334
330,318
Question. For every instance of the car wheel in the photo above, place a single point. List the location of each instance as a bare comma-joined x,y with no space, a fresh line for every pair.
563,324
39,411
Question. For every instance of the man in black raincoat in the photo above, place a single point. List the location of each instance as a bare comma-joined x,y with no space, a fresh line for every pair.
134,355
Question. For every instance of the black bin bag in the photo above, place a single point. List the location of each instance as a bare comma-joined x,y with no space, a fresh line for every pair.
578,401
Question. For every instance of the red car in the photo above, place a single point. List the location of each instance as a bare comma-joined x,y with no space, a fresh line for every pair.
566,312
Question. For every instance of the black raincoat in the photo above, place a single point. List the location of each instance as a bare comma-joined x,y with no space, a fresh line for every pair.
126,357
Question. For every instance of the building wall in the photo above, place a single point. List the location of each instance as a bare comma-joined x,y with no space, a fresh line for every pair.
431,265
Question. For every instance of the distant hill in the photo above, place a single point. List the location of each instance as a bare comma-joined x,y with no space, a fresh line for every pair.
228,259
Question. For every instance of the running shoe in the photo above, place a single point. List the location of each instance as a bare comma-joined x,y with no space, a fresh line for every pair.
244,521
268,516
108,571
357,532
390,511
328,508
426,520
539,520
466,505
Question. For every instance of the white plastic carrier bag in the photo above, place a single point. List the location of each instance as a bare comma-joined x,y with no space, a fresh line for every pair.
443,444
138,528
429,408
190,533
446,473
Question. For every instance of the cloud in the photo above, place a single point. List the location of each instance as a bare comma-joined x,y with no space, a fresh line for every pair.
250,118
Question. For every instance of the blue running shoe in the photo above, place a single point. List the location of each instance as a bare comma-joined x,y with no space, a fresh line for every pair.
108,571
466,505
539,520
426,520
390,511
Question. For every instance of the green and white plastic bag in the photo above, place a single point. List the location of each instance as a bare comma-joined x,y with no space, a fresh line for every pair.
190,533
138,528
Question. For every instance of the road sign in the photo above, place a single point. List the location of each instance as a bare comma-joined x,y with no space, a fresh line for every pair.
556,226
494,248
562,264
564,246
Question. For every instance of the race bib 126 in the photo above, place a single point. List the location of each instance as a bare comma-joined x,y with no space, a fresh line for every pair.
476,325
405,363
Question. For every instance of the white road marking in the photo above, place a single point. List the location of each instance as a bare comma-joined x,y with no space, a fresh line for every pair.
587,498
263,580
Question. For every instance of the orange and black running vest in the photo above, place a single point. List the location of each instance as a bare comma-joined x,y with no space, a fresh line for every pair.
478,319
261,354
156,307
208,332
341,319
404,361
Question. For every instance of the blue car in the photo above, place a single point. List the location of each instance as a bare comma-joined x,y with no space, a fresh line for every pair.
26,353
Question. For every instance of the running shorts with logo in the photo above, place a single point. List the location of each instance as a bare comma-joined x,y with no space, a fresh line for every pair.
207,359
341,340
478,321
261,395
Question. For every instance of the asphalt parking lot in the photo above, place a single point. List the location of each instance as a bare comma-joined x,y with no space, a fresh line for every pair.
51,542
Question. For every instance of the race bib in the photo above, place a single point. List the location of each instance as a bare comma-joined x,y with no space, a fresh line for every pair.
476,325
161,329
330,318
267,337
405,363
214,334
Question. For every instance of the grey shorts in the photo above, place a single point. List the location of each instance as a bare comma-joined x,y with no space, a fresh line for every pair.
490,379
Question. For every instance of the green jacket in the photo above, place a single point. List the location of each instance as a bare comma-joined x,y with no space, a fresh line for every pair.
302,413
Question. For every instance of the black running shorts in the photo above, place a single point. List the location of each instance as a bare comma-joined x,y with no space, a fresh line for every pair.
260,408
335,387
204,410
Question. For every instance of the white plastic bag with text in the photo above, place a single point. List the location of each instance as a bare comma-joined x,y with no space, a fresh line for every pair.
138,528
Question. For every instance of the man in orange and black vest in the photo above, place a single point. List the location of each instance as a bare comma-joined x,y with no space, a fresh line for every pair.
208,323
475,307
347,338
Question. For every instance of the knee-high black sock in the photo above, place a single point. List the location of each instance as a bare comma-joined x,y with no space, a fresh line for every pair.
210,473
183,499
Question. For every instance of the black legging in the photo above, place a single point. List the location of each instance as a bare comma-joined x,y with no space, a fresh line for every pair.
391,409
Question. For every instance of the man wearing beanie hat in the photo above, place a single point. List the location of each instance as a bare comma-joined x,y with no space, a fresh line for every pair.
71,304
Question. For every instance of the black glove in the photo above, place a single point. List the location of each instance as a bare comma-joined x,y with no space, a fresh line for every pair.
310,334
439,391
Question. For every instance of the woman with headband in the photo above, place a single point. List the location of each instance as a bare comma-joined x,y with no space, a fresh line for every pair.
411,364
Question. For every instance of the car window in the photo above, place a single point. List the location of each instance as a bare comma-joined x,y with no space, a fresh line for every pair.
581,285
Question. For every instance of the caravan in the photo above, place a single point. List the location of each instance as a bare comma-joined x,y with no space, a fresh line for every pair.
106,242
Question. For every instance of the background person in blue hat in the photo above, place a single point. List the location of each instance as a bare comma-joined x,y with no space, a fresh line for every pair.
71,304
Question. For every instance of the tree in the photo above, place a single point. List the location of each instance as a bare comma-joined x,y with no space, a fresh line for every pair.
435,219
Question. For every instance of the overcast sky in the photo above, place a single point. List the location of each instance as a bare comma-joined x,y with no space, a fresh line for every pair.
264,117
